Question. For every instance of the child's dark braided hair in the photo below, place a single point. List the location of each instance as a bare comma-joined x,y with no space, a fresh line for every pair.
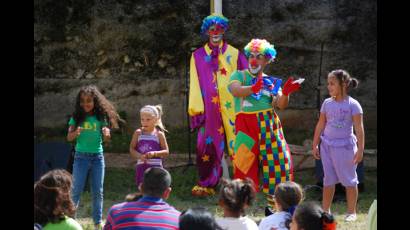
310,216
237,193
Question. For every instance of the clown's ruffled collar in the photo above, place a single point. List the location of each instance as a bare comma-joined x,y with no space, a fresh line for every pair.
222,47
213,53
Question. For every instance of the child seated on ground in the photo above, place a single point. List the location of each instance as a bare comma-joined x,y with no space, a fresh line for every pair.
53,207
287,196
310,216
199,219
235,196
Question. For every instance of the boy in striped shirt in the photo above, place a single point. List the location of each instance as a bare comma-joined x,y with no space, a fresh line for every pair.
149,212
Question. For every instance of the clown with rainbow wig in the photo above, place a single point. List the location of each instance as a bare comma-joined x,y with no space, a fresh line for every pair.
210,103
259,134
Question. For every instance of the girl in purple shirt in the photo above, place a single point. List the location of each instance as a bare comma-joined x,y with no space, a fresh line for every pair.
148,143
340,149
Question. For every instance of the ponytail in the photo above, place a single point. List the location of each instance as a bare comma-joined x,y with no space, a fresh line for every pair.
353,83
343,76
247,192
156,111
237,193
159,124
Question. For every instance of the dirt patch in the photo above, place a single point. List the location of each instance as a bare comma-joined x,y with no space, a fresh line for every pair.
299,153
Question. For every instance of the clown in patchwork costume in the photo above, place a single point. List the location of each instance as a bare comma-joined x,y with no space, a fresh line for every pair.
259,135
211,106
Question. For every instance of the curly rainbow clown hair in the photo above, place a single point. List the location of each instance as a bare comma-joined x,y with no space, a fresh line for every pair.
260,46
214,19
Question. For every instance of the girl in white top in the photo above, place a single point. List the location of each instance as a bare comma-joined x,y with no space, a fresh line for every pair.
287,196
235,196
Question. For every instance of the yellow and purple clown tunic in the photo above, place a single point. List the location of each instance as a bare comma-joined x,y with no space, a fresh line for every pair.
211,106
259,134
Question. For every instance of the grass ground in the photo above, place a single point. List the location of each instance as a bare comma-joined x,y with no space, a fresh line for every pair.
119,182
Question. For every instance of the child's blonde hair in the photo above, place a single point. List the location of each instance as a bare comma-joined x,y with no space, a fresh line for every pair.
156,111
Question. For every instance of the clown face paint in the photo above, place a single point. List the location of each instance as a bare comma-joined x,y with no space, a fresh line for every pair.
254,70
256,61
215,33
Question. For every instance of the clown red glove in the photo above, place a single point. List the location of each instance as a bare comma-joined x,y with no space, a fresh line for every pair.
258,85
290,87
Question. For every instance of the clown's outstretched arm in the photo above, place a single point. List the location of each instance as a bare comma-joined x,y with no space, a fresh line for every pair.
240,91
283,101
289,87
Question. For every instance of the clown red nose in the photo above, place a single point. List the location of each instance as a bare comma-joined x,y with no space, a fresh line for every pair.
216,30
253,62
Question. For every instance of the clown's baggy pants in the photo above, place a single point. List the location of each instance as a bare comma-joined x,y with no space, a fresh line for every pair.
260,139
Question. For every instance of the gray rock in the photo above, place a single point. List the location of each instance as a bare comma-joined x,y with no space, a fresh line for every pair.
171,70
138,64
89,76
79,73
102,73
162,63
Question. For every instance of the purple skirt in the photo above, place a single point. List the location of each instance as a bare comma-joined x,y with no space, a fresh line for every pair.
141,167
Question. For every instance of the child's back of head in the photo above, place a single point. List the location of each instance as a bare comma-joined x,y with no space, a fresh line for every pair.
237,194
310,216
288,195
197,218
52,197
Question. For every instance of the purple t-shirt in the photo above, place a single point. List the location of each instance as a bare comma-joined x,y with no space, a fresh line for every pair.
339,122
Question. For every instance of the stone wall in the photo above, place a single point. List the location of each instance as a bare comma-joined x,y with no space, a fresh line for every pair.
136,51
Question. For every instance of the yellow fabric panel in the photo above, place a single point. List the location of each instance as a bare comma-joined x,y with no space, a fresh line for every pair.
228,114
196,104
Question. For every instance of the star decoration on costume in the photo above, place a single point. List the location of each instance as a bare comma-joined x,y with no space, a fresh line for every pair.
215,172
205,158
215,100
228,59
221,130
209,140
228,105
208,58
203,92
222,145
223,71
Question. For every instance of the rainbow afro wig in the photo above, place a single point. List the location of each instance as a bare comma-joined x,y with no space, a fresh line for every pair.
260,46
214,19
